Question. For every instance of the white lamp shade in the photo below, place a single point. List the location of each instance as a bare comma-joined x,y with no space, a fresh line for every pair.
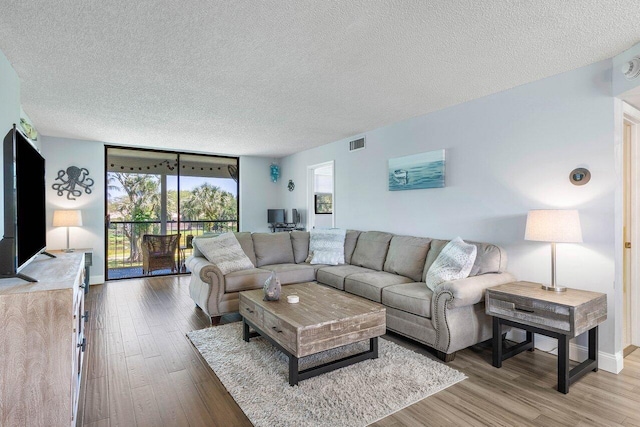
553,225
67,218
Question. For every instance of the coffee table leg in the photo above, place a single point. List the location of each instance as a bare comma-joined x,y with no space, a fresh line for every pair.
245,330
563,364
373,347
497,343
293,370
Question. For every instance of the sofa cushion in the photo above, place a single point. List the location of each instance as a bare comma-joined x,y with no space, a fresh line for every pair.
489,258
300,243
292,273
371,249
272,248
246,242
454,262
245,280
350,240
334,275
407,256
413,298
434,250
225,252
370,284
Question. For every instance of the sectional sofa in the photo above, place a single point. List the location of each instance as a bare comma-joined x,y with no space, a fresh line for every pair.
383,267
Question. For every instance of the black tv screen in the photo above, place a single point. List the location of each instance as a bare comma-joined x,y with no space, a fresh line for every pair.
31,230
275,216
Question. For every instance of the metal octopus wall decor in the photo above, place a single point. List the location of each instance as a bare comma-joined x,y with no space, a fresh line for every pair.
75,177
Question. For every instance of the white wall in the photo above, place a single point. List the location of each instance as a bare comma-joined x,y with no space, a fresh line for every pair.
59,154
258,193
9,111
505,154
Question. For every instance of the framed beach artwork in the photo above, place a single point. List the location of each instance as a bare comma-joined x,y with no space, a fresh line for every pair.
424,170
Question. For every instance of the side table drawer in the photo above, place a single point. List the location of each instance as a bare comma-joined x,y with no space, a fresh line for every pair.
529,311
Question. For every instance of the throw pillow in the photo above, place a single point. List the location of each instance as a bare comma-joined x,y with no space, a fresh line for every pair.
454,262
327,240
327,257
225,252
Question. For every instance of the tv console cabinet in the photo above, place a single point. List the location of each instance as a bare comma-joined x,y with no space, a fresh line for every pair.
42,342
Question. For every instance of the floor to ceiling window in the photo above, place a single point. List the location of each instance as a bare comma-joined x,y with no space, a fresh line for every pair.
158,201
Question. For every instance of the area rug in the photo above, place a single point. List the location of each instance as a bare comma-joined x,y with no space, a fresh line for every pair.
256,375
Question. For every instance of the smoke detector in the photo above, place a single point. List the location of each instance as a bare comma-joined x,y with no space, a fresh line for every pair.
631,69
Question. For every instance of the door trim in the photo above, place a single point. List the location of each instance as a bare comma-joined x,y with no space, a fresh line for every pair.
310,193
632,115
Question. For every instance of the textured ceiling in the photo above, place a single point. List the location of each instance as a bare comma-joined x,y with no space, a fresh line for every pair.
272,78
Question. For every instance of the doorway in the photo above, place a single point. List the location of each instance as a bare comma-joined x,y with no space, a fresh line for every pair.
631,230
320,196
158,201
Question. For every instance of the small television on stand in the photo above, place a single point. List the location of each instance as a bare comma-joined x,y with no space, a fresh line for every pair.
25,222
276,216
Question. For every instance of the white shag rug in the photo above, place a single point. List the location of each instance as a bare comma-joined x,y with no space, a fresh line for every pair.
256,375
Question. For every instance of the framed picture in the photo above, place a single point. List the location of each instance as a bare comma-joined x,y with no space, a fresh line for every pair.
424,170
324,203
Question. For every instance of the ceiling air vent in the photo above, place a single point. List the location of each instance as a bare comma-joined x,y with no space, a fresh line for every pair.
356,144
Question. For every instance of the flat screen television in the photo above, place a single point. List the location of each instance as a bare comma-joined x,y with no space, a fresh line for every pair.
25,224
276,216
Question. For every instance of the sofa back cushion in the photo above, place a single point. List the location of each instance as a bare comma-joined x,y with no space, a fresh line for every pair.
272,248
300,243
350,241
407,256
371,249
490,258
246,243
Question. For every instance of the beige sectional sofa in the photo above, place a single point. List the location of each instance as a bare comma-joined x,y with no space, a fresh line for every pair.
383,267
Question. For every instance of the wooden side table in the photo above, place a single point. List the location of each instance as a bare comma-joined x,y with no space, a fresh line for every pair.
525,305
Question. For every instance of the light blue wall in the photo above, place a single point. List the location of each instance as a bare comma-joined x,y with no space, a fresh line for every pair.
257,193
505,154
620,83
9,110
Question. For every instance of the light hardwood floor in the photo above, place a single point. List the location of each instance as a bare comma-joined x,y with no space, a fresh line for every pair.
141,370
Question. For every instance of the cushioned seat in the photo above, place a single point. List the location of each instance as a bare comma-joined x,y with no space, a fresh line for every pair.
369,285
292,273
414,298
334,275
245,280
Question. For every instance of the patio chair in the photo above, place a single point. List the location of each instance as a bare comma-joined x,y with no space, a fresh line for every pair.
159,252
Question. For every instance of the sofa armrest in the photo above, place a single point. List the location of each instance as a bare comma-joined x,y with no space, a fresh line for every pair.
207,284
471,290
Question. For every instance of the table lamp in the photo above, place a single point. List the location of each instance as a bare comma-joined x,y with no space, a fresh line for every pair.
555,226
67,218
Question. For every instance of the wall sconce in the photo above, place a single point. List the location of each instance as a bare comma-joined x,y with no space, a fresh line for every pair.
275,172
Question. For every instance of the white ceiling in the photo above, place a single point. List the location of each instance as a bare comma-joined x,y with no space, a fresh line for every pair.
272,78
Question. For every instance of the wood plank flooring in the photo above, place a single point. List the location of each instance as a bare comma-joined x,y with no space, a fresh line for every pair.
141,370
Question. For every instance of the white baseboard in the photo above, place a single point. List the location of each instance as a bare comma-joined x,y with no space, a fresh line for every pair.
606,361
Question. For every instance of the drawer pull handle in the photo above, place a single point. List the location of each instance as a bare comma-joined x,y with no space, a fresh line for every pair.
86,316
249,310
83,345
526,310
277,330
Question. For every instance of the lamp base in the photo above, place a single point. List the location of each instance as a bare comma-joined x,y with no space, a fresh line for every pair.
68,250
554,288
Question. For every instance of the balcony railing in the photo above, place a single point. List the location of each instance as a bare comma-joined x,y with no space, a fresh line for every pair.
123,234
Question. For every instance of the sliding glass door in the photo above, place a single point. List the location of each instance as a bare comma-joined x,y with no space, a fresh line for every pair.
158,201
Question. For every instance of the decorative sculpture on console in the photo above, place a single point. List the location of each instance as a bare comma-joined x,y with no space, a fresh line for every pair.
76,177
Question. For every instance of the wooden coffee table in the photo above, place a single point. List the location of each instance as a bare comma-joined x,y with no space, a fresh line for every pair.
325,318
